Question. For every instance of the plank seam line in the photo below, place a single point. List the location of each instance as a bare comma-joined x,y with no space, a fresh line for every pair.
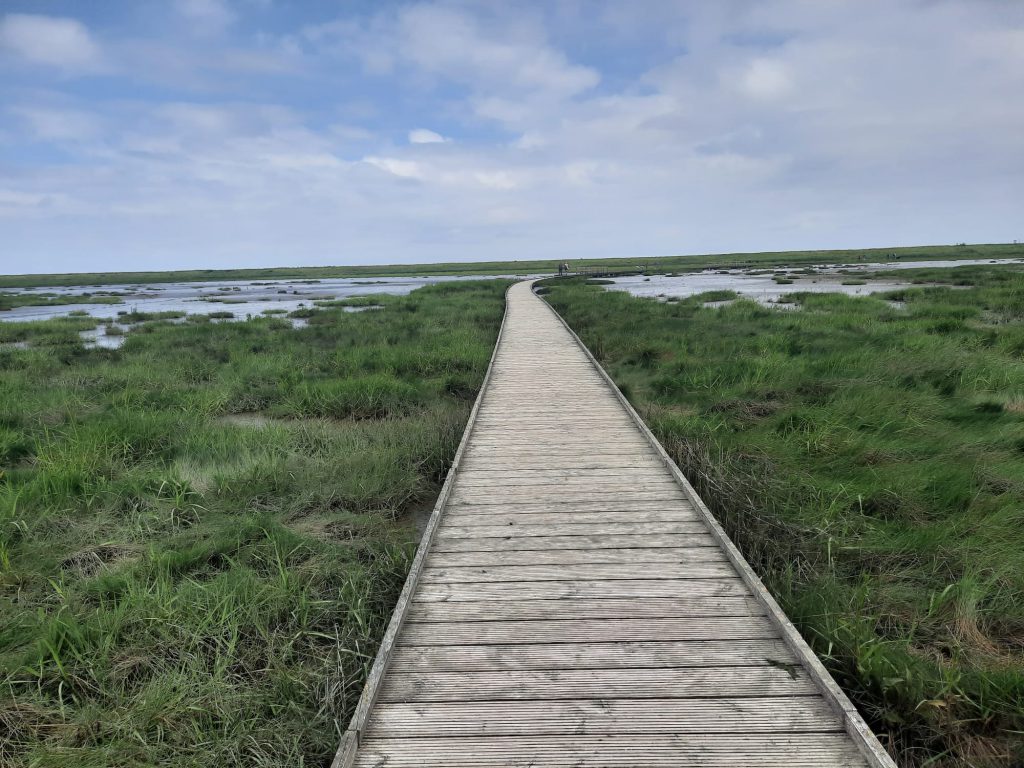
568,731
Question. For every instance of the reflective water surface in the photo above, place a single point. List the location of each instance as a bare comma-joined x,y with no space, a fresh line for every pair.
761,285
242,298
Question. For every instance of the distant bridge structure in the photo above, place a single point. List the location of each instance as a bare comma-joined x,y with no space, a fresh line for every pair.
566,270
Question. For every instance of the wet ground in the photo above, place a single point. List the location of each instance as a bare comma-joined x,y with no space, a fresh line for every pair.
762,284
242,298
246,299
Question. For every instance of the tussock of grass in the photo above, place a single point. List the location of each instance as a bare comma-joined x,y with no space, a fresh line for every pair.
869,462
181,588
715,296
140,317
9,301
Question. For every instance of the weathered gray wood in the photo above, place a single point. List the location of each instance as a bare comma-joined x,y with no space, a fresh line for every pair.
647,479
586,630
567,529
576,572
530,463
812,750
653,470
561,494
660,683
571,516
789,714
623,655
564,590
585,608
571,505
573,603
567,556
591,541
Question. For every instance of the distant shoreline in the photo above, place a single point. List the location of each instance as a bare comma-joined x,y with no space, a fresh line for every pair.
657,264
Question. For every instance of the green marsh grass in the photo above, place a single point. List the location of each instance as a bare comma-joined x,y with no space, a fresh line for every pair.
868,460
679,263
9,301
203,532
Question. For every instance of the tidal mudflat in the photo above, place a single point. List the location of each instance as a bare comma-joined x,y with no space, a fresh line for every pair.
241,298
767,286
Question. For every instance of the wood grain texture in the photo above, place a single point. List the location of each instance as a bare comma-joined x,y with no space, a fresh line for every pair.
544,685
813,750
587,630
618,655
586,608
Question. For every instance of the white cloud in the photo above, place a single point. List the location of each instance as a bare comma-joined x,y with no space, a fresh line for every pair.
766,79
59,125
404,169
701,127
207,16
50,41
424,136
458,45
461,45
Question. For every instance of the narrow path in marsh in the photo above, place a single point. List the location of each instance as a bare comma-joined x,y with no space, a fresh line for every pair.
573,603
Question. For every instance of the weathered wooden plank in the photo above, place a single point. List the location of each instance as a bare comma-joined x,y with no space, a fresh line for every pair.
625,655
661,683
584,630
611,504
576,572
646,479
624,456
563,590
476,517
566,529
501,476
557,461
784,714
590,541
572,556
585,608
523,406
559,494
813,750
556,441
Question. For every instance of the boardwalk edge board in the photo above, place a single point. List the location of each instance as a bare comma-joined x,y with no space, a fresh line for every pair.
346,754
858,730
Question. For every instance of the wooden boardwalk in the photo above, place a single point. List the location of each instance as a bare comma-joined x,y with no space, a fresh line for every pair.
573,603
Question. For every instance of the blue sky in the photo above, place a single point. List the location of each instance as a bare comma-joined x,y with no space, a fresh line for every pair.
222,133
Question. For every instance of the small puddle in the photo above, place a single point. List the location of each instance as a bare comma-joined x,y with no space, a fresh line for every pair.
102,338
